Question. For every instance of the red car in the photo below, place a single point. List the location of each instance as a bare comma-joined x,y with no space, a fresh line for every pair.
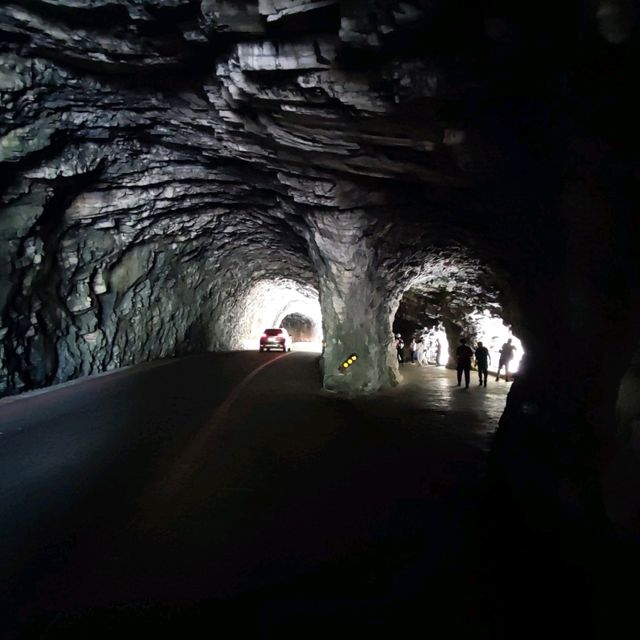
275,339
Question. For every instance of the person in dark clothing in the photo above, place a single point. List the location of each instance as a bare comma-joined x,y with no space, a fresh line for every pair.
506,356
400,348
464,355
482,362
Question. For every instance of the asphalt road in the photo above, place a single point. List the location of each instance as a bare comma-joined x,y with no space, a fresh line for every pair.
227,490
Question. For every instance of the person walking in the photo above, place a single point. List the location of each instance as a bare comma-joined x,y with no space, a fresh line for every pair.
464,355
413,347
400,348
438,352
482,362
421,354
506,356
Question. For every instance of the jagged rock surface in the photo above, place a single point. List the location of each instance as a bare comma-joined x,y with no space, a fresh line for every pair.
161,158
161,161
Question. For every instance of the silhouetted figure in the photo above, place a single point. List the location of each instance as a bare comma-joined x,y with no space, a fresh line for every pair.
400,348
506,356
482,362
438,351
464,355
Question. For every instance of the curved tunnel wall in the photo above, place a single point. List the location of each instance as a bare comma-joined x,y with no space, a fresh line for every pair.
91,295
454,288
301,327
266,304
157,165
155,169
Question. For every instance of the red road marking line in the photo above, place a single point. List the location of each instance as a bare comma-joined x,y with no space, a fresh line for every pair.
223,409
188,460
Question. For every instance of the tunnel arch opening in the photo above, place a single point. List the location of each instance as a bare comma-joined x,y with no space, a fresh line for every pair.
301,327
456,294
278,302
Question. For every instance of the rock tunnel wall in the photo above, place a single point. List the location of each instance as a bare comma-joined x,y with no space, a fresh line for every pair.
301,328
159,159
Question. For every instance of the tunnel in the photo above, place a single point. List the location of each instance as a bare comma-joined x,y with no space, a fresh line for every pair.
300,327
455,295
277,303
178,176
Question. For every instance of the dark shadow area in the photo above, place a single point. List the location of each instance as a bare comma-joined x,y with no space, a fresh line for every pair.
311,514
305,515
93,448
163,159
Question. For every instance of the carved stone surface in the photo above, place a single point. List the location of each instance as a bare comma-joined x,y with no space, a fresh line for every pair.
168,165
160,158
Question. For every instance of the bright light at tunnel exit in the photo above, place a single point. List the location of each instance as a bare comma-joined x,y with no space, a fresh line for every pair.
269,302
489,330
493,334
430,339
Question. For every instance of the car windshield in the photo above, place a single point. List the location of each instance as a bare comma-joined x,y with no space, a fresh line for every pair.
273,332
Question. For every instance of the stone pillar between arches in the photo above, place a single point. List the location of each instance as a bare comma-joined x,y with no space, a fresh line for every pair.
357,304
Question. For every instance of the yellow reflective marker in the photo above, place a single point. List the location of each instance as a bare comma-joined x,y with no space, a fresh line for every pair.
349,361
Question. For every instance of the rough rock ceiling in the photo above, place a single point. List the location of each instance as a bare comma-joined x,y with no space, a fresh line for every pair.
161,157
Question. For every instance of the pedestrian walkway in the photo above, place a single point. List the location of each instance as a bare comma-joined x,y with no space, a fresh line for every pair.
436,387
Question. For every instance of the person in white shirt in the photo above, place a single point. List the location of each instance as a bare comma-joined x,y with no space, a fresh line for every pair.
421,354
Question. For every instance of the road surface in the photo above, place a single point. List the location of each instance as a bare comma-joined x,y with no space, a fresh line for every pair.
228,490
